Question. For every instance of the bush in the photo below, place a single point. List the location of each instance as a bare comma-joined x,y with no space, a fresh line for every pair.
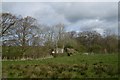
15,52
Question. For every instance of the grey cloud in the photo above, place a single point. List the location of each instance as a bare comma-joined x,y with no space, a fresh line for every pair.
87,10
73,12
43,12
96,25
77,16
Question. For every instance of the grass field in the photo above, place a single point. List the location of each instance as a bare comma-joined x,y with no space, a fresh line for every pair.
76,66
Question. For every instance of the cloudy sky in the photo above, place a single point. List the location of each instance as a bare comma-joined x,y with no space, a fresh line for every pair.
78,16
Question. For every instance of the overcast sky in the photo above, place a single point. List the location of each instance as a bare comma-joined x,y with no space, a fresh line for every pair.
60,0
78,16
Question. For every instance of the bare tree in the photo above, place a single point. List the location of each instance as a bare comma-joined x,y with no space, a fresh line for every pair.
6,21
59,35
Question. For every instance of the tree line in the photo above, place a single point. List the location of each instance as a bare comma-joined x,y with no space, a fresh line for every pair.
26,36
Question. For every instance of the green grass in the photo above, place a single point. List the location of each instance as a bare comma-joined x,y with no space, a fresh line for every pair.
76,66
75,59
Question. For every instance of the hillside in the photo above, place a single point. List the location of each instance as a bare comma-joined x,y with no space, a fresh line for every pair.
76,66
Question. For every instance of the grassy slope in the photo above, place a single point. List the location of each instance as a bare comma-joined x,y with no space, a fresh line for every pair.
75,59
52,70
